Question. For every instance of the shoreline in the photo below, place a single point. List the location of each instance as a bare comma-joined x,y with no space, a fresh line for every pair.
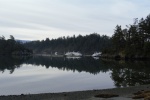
123,94
102,57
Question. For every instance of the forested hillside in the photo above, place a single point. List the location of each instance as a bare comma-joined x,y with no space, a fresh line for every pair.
11,47
131,42
85,44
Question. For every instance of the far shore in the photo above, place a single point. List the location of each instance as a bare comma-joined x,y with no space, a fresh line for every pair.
58,55
122,94
103,57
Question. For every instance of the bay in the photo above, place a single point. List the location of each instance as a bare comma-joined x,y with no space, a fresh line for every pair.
44,74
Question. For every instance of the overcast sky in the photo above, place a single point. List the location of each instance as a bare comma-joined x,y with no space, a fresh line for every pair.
39,19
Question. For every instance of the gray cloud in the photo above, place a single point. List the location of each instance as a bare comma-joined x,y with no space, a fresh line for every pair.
38,19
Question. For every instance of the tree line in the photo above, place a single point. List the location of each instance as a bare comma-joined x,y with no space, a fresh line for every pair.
12,47
131,42
85,44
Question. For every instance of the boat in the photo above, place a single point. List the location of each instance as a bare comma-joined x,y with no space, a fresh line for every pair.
73,54
96,54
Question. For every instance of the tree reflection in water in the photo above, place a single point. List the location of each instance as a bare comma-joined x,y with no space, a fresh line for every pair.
12,62
123,73
130,73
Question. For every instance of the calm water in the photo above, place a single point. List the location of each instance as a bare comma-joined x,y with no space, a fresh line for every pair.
45,74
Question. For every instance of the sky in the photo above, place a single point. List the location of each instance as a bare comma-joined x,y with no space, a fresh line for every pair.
40,19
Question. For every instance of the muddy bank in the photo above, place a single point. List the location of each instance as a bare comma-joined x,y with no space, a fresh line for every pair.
105,94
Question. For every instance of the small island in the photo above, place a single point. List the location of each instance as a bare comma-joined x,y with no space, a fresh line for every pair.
12,47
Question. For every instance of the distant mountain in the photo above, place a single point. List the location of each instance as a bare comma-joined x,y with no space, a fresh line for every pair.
23,41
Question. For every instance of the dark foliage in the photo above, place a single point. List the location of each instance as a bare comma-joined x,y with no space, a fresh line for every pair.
132,42
85,44
10,46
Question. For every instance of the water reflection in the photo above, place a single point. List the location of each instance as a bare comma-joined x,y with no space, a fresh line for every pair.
73,57
96,58
11,62
130,73
122,73
86,64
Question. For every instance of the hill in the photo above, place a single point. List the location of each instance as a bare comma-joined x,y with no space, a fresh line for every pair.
85,44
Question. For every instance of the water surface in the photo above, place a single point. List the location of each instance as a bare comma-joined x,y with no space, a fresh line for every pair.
39,74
